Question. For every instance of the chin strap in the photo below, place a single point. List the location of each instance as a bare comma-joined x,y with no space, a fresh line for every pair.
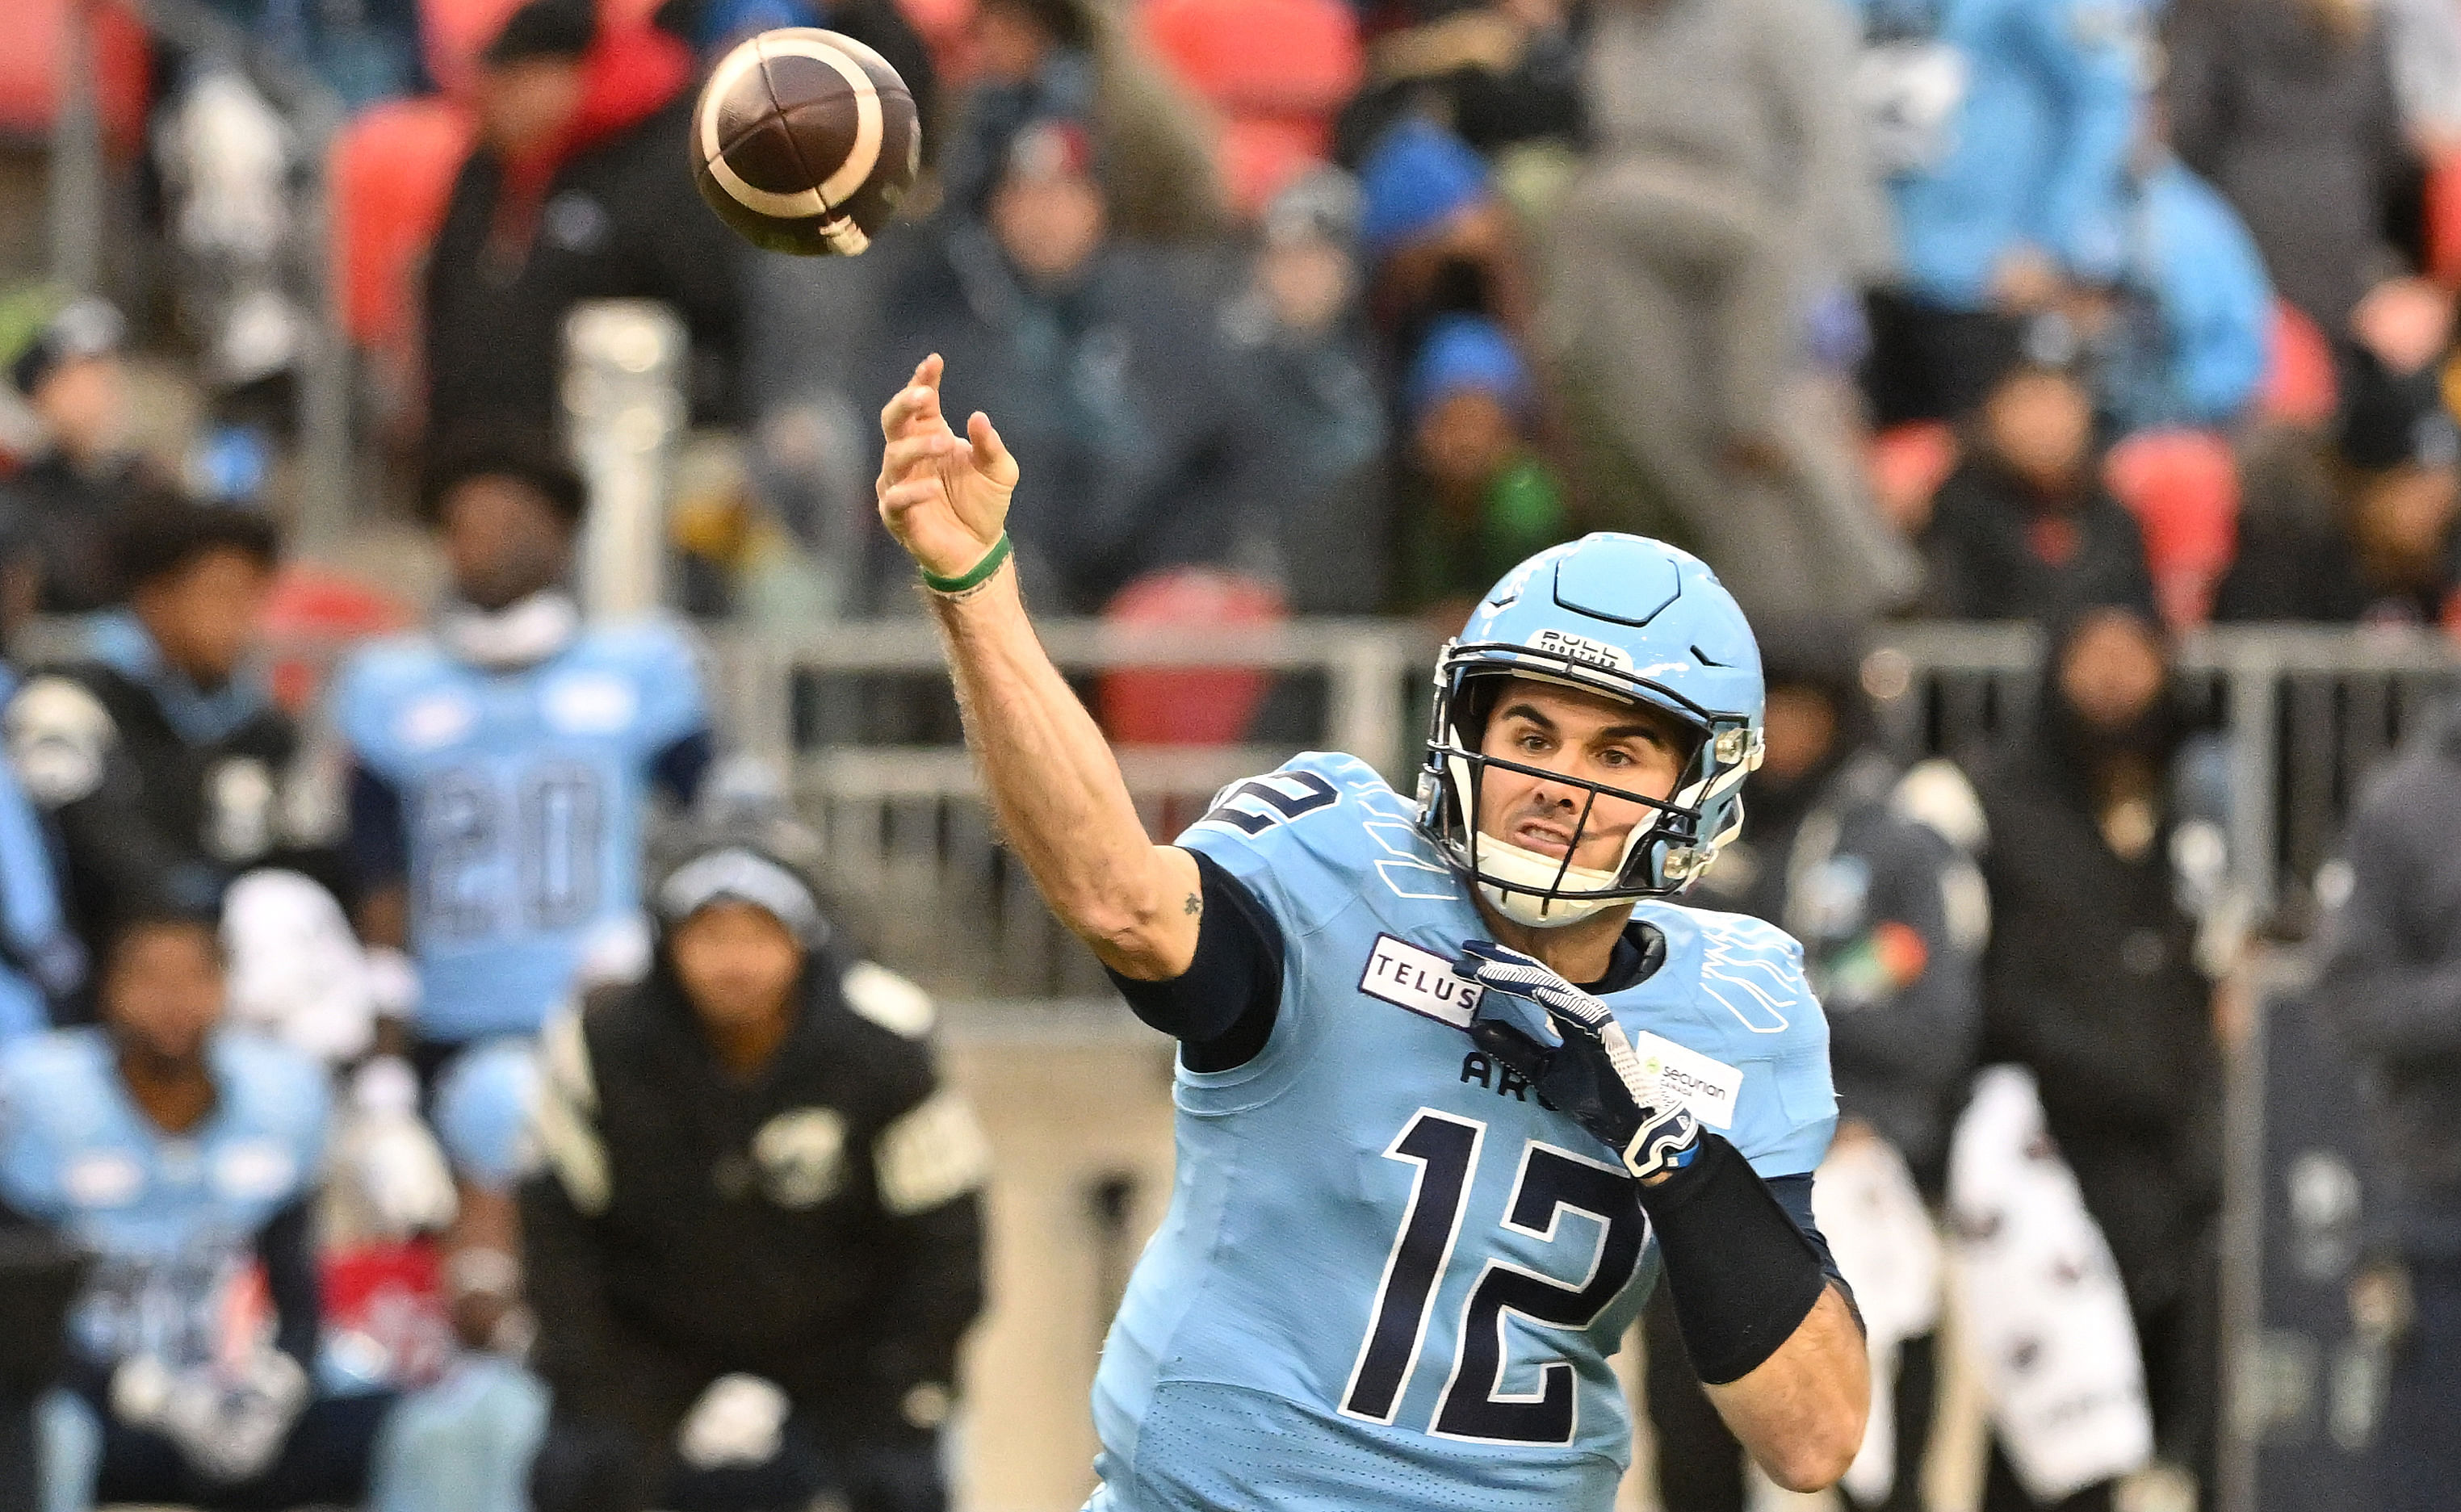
521,634
1513,863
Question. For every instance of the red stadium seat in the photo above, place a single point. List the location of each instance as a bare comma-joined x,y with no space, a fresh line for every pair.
945,26
393,171
1297,60
2182,486
1186,706
455,32
318,613
1277,70
29,70
2444,220
389,1295
1262,156
2300,388
1906,465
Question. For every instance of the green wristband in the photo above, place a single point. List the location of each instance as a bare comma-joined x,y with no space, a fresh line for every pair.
972,576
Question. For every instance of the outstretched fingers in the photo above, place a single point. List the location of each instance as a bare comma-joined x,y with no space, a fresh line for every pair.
991,453
900,457
918,402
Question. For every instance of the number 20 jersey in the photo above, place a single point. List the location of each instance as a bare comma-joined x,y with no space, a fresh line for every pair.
1390,1276
524,794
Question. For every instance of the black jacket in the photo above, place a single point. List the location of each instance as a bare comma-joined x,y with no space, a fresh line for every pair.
819,1227
2300,129
2090,980
2286,571
1891,918
62,524
2391,984
1996,551
620,220
160,795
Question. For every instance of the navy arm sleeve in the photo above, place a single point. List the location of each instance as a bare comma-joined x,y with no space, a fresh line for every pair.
380,844
287,1248
1793,1193
1223,1007
681,766
41,1272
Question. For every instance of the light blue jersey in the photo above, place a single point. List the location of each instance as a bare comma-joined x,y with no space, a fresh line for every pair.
522,796
1390,1277
174,1218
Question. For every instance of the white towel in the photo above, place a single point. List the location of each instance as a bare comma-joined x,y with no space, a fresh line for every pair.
1864,1202
2047,1321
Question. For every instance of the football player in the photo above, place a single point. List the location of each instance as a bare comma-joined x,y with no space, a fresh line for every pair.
158,754
186,1159
503,763
1457,1081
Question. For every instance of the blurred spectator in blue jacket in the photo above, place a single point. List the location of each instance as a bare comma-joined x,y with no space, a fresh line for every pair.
363,50
1110,380
1439,240
2185,337
2006,127
1484,501
1303,359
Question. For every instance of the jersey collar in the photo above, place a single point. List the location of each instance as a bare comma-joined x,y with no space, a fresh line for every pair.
522,634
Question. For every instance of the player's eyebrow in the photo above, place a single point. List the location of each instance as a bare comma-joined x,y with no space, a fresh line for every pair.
1634,728
1639,727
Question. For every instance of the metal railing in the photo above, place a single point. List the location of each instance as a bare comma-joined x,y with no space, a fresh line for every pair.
861,716
2303,716
909,849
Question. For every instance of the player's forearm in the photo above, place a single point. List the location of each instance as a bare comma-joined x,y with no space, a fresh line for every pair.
1800,1413
1058,791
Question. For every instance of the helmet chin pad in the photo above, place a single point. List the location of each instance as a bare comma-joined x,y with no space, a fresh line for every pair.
1537,909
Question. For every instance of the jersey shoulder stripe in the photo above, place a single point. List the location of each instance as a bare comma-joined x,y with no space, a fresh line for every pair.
1318,833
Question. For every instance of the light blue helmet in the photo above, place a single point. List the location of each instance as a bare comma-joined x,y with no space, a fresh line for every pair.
1622,615
483,1110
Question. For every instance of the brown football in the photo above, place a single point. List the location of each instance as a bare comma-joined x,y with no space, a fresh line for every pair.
804,142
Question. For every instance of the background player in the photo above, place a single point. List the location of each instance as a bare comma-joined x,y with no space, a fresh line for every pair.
503,763
184,1156
1393,1268
160,756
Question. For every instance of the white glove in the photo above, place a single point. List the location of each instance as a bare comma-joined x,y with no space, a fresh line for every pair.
297,970
400,1170
392,981
737,1421
228,1423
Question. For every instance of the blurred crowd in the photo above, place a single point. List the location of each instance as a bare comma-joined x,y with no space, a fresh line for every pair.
1952,311
2112,318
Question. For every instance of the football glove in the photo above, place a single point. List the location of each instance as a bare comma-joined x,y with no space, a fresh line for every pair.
229,1422
400,1170
1570,1047
739,1420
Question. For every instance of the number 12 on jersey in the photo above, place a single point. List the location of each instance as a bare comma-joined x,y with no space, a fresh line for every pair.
1550,1182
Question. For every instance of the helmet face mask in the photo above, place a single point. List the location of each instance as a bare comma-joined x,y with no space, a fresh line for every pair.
1519,633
